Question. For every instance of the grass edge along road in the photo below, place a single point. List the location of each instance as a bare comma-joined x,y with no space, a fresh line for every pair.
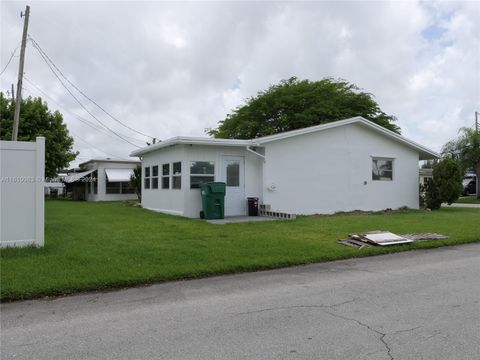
97,246
468,200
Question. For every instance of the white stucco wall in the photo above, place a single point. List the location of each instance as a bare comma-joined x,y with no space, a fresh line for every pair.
252,173
22,178
170,201
187,202
102,179
325,172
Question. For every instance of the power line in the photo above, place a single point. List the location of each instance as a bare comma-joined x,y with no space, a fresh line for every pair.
39,48
85,121
9,60
77,100
86,142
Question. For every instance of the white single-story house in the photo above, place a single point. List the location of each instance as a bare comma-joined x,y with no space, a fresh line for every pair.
346,165
102,180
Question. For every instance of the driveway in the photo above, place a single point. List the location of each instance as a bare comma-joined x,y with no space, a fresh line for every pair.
465,205
413,305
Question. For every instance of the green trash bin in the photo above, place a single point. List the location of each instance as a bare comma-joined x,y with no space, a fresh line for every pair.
213,200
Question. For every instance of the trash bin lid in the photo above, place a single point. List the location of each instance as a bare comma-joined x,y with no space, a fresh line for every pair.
216,187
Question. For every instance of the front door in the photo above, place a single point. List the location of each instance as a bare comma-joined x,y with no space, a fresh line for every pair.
233,175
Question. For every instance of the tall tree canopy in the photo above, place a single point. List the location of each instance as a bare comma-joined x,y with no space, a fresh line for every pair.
294,104
37,120
466,150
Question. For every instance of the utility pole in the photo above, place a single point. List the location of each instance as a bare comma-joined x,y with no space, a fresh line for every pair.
13,93
16,117
476,121
477,125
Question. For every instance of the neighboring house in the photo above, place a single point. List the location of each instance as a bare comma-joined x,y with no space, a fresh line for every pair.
102,180
425,176
54,187
341,166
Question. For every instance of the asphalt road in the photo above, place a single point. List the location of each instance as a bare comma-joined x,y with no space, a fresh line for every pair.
414,305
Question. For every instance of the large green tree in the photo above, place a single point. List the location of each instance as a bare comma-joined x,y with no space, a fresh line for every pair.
294,104
466,150
37,120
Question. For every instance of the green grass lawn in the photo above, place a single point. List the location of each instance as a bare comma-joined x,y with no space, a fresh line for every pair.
468,200
90,246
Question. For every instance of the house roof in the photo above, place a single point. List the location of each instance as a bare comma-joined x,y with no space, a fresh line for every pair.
109,160
191,141
424,152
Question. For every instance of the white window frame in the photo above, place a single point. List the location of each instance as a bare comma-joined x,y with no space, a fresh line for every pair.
149,177
384,158
152,177
166,177
176,175
202,175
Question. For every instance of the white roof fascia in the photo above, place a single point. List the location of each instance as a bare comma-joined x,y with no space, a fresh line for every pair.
307,130
358,119
424,152
115,161
191,141
430,154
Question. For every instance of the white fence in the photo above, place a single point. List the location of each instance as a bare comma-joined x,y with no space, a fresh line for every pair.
22,177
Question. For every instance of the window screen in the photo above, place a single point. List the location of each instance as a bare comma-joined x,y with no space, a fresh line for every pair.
166,176
201,172
177,175
146,180
233,173
382,169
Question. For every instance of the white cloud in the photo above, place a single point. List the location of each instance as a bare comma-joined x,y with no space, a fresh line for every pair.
177,68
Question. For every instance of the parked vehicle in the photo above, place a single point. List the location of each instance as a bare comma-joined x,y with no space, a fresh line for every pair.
469,187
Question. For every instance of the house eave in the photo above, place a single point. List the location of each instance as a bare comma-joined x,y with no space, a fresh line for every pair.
108,161
424,153
191,141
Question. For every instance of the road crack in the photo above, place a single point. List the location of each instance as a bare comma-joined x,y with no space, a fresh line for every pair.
382,335
297,307
325,308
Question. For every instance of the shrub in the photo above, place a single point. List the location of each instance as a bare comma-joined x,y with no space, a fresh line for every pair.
446,185
433,200
421,196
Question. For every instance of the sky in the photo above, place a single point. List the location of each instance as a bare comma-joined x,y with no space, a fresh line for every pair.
176,68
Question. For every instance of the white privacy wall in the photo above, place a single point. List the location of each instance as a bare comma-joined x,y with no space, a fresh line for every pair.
22,177
330,171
